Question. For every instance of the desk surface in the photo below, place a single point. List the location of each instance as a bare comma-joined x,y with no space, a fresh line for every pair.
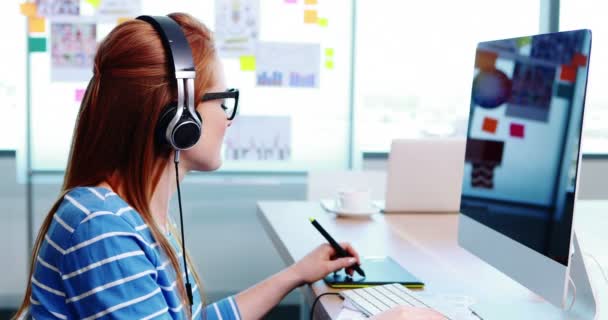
425,244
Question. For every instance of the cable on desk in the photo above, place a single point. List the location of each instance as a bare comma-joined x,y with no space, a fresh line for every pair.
571,282
598,265
312,309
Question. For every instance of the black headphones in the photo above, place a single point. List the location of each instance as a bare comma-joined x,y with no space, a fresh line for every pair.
179,125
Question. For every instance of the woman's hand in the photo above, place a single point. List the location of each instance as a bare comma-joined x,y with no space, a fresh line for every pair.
408,313
323,261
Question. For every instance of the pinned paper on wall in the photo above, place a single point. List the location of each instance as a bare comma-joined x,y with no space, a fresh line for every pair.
517,130
54,8
79,94
247,63
73,48
118,8
489,125
258,138
323,22
310,16
28,9
36,24
36,44
236,27
294,65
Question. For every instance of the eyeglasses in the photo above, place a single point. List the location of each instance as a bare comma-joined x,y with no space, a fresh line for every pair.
230,103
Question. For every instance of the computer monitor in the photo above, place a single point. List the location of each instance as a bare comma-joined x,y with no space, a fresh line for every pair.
522,157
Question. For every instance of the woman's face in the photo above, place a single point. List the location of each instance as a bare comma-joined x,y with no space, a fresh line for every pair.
205,155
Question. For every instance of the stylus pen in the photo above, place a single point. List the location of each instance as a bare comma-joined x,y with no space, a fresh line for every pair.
339,250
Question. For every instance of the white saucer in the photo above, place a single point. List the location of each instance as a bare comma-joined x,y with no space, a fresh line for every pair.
330,205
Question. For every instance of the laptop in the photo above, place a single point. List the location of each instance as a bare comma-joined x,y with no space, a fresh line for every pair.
424,175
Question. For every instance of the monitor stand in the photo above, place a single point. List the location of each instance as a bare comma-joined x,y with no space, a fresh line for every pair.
584,307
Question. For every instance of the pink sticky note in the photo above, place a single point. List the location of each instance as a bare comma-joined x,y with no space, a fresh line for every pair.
517,130
78,95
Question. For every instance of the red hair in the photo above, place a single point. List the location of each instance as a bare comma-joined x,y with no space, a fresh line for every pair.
114,135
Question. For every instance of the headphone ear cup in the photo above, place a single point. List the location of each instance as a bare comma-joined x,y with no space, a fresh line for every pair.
163,122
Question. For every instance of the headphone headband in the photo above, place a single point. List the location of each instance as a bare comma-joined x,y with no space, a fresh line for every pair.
180,125
175,44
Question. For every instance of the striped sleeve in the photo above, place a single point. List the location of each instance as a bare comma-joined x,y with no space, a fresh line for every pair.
108,270
225,309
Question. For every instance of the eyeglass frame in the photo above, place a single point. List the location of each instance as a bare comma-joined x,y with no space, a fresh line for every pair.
231,93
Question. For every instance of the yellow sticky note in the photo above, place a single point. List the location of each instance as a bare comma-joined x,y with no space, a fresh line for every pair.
329,52
329,64
310,1
323,22
94,3
36,24
310,16
28,9
247,63
123,19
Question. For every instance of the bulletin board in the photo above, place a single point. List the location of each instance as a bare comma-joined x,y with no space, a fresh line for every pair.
290,59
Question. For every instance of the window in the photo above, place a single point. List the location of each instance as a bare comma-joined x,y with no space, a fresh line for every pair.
589,14
414,63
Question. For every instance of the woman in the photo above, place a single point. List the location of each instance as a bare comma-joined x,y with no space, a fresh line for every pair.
107,247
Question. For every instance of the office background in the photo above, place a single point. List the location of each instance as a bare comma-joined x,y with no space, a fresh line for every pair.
394,69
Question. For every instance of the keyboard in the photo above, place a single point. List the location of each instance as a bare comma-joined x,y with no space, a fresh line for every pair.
374,300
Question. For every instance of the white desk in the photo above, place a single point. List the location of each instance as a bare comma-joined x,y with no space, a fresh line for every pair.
425,244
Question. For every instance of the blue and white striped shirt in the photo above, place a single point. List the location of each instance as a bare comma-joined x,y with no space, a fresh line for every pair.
98,260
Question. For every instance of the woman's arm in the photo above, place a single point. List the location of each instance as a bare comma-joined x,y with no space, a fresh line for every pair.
256,301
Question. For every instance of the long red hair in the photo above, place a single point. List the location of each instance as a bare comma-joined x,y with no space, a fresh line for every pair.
114,135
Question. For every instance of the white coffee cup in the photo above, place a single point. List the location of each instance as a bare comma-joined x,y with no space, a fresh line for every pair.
354,200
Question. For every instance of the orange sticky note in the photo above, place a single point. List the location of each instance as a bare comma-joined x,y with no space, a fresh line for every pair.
36,24
489,125
310,16
122,19
28,9
310,1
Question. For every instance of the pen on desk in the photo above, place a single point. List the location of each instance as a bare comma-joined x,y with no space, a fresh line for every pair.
339,250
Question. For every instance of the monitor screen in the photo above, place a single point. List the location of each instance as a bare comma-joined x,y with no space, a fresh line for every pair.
523,138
